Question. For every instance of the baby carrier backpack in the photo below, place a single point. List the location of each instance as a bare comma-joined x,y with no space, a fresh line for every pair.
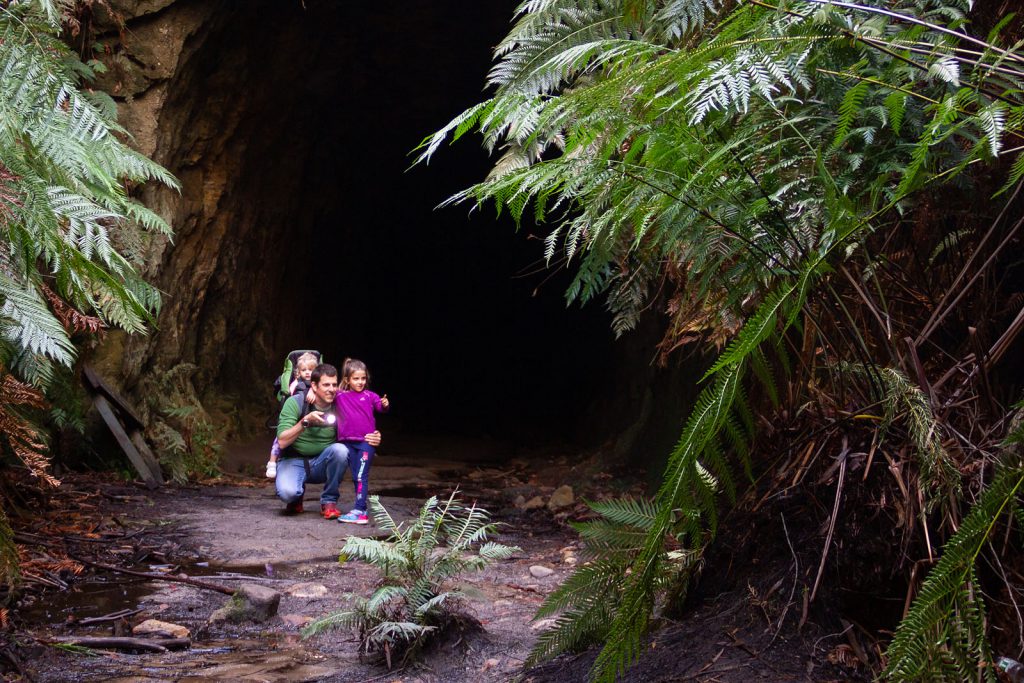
285,379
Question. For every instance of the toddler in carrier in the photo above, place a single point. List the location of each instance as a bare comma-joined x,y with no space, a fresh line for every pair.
300,384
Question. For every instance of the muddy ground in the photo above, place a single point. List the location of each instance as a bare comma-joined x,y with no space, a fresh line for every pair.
735,626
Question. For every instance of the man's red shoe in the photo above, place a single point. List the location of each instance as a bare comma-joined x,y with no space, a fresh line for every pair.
330,511
293,508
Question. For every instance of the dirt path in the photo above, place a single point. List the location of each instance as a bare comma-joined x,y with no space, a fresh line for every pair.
237,533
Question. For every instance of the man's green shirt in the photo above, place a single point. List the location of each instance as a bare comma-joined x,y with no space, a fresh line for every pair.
312,440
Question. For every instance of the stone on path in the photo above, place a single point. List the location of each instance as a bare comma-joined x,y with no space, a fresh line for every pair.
307,590
251,602
164,629
542,624
534,503
296,620
561,498
540,571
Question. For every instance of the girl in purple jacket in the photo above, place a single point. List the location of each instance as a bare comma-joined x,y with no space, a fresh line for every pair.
356,406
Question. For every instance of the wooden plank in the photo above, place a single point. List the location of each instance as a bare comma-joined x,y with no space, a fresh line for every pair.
140,443
97,383
122,439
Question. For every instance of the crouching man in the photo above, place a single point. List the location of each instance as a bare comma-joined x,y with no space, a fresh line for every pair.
310,452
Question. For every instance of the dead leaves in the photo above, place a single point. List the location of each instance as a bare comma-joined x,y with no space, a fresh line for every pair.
21,435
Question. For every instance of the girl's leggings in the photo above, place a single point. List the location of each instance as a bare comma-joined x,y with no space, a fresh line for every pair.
360,457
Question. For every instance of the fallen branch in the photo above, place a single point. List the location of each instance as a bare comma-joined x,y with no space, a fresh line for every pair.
113,616
180,578
125,643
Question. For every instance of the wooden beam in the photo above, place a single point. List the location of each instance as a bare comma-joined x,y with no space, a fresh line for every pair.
151,460
132,418
141,466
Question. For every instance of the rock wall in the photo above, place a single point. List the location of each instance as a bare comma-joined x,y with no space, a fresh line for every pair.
181,74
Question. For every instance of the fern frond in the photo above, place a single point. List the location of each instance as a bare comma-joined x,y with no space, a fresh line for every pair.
337,620
26,321
381,517
638,512
589,585
946,619
572,631
382,596
372,551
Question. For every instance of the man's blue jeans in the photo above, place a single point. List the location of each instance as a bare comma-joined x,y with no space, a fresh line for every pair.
326,468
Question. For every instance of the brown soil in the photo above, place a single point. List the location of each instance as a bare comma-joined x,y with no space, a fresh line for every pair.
736,625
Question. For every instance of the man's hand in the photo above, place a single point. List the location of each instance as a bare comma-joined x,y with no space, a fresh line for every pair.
316,419
373,438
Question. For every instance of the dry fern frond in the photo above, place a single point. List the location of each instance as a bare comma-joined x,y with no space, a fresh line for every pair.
21,435
72,320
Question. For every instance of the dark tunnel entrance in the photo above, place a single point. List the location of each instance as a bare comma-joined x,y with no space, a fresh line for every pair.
330,242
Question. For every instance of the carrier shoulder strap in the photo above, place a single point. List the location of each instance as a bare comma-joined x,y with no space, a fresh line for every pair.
303,406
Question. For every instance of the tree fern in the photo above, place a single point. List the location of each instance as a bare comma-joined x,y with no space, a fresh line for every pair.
61,190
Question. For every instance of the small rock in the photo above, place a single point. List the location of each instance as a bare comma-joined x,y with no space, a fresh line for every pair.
534,503
539,571
250,602
490,664
542,625
296,620
307,590
561,498
163,629
519,502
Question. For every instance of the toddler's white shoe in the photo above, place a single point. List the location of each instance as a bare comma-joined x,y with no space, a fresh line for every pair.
271,470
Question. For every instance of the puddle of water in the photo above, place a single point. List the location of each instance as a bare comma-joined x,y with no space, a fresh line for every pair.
85,599
418,491
264,659
96,596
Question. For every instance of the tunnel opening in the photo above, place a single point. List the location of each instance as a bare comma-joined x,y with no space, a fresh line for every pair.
300,223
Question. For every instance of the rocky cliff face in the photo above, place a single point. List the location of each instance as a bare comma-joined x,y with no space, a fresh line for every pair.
179,71
224,95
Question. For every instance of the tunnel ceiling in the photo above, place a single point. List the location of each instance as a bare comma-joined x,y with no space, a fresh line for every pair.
300,224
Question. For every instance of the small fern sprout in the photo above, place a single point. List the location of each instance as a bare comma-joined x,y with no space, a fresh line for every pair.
418,562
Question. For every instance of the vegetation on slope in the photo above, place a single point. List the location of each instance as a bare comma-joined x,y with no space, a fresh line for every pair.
829,193
70,230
